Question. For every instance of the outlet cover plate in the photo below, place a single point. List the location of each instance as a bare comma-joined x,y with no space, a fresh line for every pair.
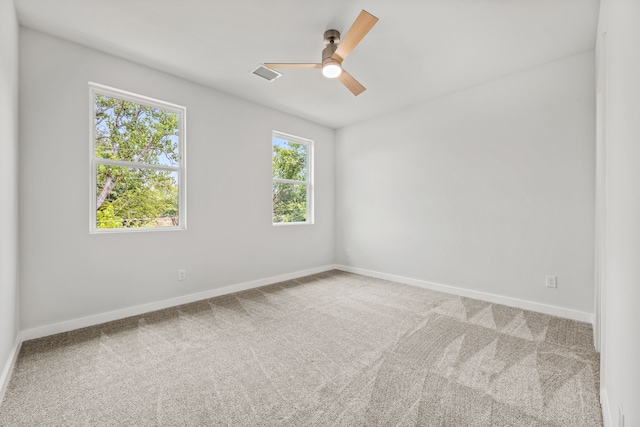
551,281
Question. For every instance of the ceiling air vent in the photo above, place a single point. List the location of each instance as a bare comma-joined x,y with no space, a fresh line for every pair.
266,73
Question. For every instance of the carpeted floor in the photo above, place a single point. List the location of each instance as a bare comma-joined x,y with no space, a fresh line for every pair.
329,349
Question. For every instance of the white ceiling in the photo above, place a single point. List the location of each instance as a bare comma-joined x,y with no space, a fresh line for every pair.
419,50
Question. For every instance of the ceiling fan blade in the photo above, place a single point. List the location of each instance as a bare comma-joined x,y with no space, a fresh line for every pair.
291,65
361,26
351,83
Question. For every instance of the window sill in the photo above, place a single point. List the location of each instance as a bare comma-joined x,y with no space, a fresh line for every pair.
134,230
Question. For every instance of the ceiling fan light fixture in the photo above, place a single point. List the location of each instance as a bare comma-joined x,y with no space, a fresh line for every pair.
331,69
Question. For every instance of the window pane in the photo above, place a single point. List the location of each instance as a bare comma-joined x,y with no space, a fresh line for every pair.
289,202
137,133
289,159
135,197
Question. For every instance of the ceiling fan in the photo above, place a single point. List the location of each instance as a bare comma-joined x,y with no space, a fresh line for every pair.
337,50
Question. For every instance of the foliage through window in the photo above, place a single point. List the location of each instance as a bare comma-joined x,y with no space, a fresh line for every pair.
137,163
292,179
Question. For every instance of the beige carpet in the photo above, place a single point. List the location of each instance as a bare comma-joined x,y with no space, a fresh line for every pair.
330,349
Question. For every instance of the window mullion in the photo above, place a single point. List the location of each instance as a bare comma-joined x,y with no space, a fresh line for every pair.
290,181
135,165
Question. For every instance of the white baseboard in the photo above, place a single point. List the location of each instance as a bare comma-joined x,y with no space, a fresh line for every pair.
8,368
496,299
606,409
96,319
596,334
70,325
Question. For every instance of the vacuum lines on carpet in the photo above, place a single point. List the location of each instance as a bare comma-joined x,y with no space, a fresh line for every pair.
332,349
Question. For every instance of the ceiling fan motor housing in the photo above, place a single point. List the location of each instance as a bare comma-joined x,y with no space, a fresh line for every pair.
331,36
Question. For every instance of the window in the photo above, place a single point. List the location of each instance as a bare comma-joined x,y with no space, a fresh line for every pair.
292,160
137,162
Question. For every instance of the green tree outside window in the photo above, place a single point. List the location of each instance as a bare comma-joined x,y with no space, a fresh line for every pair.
290,180
137,159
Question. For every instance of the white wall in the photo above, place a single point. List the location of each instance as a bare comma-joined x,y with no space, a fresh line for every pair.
487,189
9,325
620,20
66,273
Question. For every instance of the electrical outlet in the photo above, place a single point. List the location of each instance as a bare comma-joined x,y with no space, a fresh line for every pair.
551,281
182,274
620,416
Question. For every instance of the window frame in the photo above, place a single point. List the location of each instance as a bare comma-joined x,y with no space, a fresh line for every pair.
309,181
181,111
